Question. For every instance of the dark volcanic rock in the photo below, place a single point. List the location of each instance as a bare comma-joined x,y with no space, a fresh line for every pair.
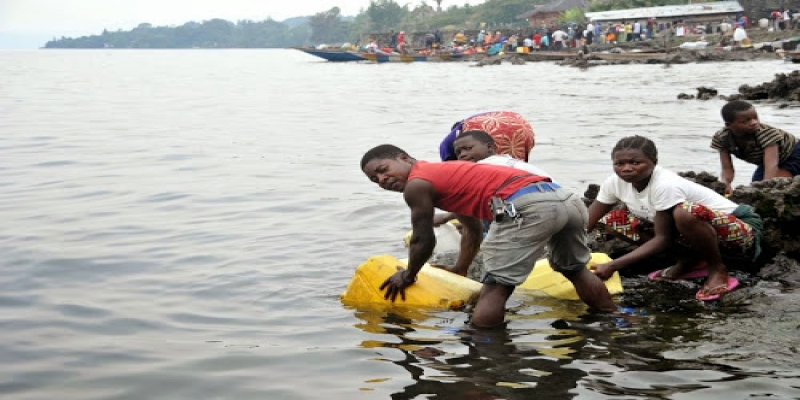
489,61
704,93
783,87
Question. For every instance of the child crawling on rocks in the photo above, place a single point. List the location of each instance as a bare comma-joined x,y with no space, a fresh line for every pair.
697,220
775,152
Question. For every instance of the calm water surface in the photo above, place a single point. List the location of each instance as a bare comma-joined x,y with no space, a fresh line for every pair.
179,225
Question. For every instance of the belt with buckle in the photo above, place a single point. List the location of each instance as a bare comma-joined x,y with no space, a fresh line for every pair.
534,188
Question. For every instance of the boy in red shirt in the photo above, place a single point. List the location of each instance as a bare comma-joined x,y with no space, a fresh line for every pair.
529,214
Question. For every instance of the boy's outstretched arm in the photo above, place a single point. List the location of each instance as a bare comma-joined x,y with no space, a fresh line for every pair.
471,237
727,172
419,196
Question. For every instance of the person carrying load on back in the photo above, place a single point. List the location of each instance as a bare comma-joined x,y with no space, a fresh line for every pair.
530,214
512,134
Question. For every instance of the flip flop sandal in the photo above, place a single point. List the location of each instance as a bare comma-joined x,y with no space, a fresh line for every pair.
732,284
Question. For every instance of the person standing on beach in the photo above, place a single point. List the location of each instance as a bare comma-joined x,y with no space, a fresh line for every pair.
774,151
637,31
559,40
666,212
530,213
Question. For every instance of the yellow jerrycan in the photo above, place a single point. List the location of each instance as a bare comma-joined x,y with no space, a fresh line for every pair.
437,288
543,280
434,288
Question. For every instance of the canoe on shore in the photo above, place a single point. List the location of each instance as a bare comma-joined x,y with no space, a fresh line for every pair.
789,55
332,55
336,55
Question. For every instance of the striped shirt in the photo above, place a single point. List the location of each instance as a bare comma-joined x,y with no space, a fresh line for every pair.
754,152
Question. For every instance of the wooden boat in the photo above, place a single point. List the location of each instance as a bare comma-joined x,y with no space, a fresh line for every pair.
789,55
333,55
336,55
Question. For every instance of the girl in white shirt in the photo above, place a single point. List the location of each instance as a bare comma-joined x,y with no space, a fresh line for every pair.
662,210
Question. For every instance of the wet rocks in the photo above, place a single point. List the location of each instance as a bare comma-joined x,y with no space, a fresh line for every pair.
778,202
517,60
703,93
489,61
784,270
783,87
514,59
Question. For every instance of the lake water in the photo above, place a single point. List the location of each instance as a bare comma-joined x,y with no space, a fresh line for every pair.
180,224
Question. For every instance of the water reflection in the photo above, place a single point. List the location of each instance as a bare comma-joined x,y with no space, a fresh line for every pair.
548,348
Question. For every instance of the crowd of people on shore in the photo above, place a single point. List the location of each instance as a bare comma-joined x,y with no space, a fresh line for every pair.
558,36
515,213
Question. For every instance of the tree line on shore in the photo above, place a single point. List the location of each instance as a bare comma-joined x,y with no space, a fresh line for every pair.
328,26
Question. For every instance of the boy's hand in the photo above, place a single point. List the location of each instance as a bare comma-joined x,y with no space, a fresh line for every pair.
397,284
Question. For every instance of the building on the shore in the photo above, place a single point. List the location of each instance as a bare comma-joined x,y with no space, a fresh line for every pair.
756,9
700,13
548,13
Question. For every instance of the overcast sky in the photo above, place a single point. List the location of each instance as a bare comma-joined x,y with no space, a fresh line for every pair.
30,23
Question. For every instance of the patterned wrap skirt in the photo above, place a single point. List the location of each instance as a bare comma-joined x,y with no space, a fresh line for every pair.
734,236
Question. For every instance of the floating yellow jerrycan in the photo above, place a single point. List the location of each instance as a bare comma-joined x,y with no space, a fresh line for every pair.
435,288
545,281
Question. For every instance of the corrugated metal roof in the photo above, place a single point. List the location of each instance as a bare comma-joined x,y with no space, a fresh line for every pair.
719,7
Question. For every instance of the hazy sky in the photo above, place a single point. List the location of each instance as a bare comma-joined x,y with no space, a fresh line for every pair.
40,20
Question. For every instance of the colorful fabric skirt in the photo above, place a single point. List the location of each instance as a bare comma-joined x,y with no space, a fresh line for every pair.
734,235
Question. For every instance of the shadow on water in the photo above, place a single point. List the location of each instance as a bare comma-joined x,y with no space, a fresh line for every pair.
555,349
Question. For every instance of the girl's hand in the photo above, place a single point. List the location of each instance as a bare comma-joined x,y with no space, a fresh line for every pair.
728,190
604,271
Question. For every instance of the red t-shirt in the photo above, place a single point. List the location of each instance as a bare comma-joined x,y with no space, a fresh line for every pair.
466,187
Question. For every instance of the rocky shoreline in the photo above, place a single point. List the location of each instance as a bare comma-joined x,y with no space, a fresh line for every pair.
655,52
784,90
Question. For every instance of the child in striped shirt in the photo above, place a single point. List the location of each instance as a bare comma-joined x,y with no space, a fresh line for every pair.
774,151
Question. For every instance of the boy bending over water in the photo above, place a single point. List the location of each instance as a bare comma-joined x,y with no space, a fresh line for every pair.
679,212
775,152
536,213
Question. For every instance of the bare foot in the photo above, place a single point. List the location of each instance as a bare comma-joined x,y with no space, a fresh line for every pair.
680,270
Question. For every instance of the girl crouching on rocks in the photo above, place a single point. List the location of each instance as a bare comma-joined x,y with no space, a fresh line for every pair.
662,210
